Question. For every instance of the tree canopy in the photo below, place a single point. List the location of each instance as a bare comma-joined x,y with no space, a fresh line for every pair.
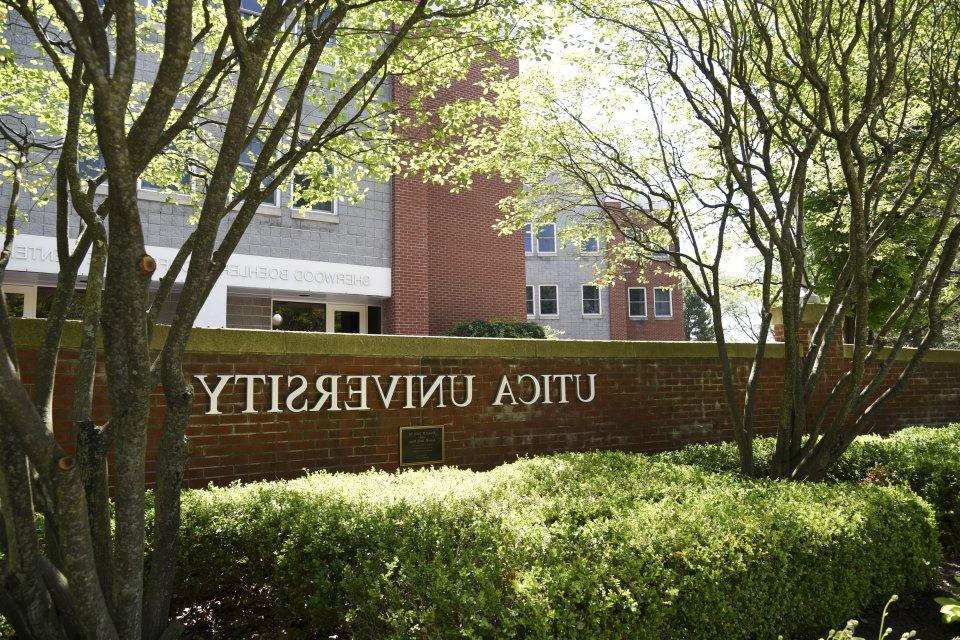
217,104
737,131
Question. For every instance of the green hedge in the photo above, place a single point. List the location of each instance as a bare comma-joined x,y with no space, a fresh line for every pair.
927,459
498,329
604,545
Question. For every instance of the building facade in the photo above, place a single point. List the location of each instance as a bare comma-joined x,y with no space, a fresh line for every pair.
409,258
561,291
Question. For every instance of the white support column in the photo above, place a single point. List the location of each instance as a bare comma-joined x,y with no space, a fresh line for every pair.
213,313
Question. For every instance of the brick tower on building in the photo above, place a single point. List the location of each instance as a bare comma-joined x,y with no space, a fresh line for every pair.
449,264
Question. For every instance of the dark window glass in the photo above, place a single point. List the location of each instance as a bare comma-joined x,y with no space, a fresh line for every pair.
591,245
301,316
591,300
638,302
250,8
183,187
527,238
374,320
249,158
301,181
14,304
548,300
346,322
547,239
45,297
529,301
662,303
324,15
92,168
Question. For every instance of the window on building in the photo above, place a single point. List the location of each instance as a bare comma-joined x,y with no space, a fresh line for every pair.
250,8
663,302
182,187
637,301
547,239
247,161
16,303
661,256
590,245
347,321
374,320
21,300
591,300
548,300
45,299
323,16
301,183
528,238
300,316
92,168
529,301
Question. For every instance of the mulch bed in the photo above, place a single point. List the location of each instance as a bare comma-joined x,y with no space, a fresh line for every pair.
917,612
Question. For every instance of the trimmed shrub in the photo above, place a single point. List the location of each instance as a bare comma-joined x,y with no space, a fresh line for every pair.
927,459
498,329
601,545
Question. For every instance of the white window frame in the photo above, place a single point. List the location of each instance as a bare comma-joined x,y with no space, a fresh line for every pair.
670,291
539,304
583,300
644,290
536,245
29,293
533,300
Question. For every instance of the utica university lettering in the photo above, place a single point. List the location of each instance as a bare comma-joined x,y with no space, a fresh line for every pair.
274,393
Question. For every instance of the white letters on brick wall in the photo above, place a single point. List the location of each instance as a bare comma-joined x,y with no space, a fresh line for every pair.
295,393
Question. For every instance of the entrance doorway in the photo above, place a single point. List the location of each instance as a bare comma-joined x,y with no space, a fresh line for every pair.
349,320
323,317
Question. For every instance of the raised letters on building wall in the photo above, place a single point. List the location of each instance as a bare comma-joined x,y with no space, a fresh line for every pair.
274,393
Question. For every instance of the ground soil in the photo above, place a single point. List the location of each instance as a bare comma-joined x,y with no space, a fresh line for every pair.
917,612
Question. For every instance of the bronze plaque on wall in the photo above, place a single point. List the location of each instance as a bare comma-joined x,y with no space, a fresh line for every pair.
421,445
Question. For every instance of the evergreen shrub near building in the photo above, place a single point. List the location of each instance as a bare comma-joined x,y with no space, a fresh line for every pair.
926,459
498,329
600,545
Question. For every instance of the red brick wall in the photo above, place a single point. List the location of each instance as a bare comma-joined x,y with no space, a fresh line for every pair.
648,397
623,327
408,309
449,265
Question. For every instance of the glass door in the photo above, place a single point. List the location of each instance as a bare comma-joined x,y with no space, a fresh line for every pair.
320,317
344,318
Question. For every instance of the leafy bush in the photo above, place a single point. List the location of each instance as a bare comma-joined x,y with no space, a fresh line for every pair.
927,459
498,329
601,545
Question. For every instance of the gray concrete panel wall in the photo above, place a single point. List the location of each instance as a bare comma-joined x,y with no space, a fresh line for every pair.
569,269
360,234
